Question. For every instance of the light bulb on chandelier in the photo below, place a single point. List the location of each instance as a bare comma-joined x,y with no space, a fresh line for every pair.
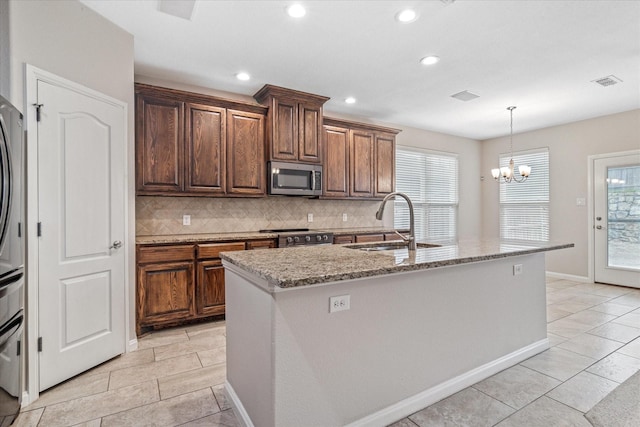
508,172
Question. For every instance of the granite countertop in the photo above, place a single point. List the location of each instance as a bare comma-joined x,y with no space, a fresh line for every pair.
203,237
244,235
304,266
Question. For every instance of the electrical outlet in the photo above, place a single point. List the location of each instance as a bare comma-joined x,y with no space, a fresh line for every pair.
186,219
309,217
517,269
339,303
344,217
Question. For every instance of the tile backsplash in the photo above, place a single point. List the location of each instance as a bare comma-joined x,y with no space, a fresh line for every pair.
163,215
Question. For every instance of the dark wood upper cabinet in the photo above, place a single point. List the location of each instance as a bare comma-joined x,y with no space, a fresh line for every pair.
159,144
385,158
361,163
294,124
188,144
245,153
206,147
336,162
359,159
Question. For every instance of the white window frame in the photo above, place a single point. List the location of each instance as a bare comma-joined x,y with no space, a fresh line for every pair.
524,207
436,215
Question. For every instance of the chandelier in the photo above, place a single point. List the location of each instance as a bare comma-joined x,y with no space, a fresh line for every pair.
507,172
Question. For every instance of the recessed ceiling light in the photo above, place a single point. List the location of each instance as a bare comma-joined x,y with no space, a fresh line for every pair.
350,100
430,60
243,76
296,11
406,15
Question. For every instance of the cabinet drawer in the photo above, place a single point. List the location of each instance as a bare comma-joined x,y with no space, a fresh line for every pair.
394,236
212,250
148,254
366,238
261,244
338,240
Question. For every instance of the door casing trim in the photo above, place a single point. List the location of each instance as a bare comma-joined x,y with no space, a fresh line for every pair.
591,265
32,76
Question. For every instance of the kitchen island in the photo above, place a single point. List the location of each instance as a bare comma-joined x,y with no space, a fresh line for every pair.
415,328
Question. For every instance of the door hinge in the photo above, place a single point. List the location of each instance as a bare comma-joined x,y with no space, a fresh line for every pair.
39,232
38,107
18,351
39,344
19,229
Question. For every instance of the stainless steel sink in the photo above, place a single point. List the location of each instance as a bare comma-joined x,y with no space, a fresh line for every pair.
390,246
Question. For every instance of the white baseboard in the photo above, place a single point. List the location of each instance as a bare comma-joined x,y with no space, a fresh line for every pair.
133,345
241,414
26,399
408,406
573,278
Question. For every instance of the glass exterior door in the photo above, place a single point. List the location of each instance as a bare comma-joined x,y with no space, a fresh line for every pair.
617,220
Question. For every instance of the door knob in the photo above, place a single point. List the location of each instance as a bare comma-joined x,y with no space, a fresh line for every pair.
599,227
116,245
598,218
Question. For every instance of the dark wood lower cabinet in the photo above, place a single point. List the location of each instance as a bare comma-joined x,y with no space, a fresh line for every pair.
210,301
165,285
180,283
210,279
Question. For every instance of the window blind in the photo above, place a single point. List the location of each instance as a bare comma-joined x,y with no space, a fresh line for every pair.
524,207
431,181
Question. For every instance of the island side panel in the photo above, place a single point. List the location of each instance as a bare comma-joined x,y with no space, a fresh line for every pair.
404,334
249,348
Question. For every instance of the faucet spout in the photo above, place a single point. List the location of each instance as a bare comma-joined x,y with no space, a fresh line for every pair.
412,230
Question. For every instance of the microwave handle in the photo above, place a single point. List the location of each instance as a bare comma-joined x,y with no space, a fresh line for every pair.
313,180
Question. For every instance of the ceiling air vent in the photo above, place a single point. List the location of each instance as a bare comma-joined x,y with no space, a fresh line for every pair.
607,81
465,95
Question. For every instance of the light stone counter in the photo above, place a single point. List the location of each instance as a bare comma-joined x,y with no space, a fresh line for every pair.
202,237
244,235
303,266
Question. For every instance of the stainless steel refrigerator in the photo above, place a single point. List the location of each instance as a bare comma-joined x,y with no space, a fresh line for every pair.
12,211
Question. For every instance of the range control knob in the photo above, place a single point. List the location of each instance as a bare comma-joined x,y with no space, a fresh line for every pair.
307,238
325,237
296,239
319,238
289,239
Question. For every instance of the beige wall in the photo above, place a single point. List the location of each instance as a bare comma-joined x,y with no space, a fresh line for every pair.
68,39
570,146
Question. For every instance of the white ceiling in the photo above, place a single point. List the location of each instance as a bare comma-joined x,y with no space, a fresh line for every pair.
540,56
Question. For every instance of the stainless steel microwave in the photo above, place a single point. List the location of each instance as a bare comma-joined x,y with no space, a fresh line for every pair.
295,179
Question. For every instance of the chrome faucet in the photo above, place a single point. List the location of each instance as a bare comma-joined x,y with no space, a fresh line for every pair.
411,240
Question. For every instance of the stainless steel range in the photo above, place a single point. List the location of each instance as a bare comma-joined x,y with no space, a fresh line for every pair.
289,237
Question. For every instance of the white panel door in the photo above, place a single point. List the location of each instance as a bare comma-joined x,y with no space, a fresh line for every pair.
81,198
617,220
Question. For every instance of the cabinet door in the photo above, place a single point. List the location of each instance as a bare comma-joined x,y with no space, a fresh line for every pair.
210,289
384,176
284,134
165,292
361,164
245,153
206,146
159,145
310,133
336,166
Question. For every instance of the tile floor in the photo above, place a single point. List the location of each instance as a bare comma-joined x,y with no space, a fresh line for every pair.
176,376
